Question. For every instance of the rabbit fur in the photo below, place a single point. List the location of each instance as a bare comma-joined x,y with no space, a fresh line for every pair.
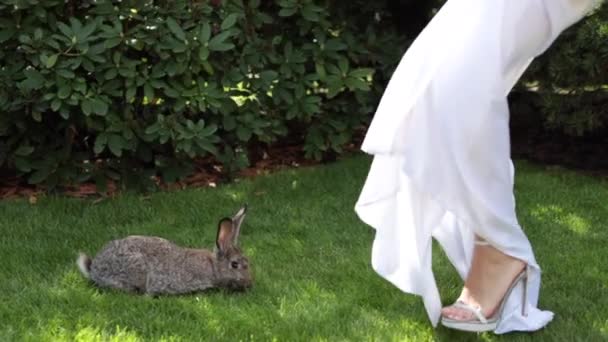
156,266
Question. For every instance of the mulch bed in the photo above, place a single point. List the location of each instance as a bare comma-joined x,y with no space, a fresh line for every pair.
209,173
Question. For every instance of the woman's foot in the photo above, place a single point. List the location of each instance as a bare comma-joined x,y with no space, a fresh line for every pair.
492,273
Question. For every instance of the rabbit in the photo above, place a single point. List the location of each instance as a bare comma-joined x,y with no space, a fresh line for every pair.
155,266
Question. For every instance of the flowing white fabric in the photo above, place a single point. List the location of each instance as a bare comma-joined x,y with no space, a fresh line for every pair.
440,140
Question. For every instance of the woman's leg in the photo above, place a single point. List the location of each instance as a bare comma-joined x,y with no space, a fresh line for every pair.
492,272
442,168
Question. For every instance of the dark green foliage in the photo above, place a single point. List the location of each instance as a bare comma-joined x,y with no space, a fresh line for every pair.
125,90
572,77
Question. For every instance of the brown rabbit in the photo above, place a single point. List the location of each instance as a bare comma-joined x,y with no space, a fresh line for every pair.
156,266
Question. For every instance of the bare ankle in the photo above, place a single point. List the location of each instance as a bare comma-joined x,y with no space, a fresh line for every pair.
490,275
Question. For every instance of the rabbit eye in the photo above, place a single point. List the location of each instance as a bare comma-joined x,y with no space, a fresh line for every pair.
234,264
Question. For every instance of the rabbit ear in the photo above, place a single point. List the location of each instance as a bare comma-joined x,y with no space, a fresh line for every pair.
237,220
225,235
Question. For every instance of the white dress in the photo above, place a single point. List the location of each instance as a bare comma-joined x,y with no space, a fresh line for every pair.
440,140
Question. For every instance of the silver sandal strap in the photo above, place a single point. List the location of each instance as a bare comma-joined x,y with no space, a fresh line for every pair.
476,310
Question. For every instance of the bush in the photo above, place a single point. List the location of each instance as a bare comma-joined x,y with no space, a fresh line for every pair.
126,90
572,78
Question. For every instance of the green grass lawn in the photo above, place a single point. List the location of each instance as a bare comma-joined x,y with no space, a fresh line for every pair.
311,259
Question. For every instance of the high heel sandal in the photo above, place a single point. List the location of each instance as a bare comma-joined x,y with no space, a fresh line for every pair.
480,323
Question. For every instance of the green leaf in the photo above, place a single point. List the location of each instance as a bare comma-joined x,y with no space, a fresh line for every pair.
170,92
76,24
97,49
332,69
153,128
285,96
361,73
334,86
176,29
217,42
309,13
34,80
25,39
130,94
208,67
269,75
310,108
38,176
209,130
335,45
64,91
65,73
229,21
112,42
99,107
52,43
55,105
37,116
86,31
64,112
178,47
23,164
288,50
100,143
110,74
356,83
343,65
300,91
116,144
229,123
7,33
38,33
51,60
171,68
320,69
203,53
207,146
24,150
205,33
148,91
87,107
221,47
79,87
243,133
288,12
65,29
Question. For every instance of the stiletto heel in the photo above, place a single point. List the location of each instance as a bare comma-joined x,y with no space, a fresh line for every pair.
524,304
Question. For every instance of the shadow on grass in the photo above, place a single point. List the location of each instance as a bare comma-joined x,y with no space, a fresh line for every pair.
73,309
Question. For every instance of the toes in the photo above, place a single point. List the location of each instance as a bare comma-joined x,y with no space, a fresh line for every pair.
446,312
450,312
457,314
